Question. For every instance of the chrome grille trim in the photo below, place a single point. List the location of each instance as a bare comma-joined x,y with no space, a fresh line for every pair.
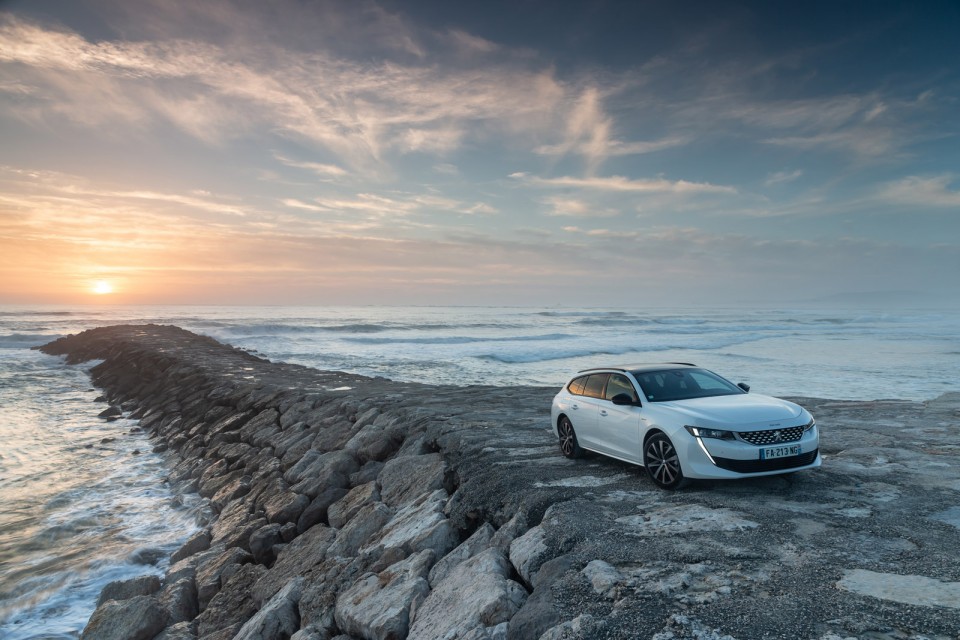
770,436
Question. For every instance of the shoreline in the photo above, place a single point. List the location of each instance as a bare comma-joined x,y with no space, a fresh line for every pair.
391,508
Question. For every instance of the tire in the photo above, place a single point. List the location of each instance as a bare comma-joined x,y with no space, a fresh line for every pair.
568,438
662,463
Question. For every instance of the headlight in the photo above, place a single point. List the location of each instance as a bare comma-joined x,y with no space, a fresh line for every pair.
810,425
700,432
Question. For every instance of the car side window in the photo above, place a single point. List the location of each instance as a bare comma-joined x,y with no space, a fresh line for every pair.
576,385
618,384
594,387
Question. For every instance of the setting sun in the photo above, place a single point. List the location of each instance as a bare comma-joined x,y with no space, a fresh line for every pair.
102,287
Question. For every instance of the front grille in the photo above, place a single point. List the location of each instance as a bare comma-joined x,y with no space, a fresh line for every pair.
774,464
772,436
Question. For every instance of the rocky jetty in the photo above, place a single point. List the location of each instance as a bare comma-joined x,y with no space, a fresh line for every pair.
353,507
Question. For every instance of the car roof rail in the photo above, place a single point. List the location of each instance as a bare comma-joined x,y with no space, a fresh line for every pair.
602,369
689,364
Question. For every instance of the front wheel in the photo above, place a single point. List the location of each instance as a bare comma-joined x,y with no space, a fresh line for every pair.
662,463
568,439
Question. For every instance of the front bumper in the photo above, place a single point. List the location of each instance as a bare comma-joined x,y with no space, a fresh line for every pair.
710,458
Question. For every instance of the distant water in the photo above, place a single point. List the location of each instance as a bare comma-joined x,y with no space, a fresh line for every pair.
77,513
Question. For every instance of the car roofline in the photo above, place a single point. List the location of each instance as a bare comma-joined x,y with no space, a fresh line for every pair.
638,365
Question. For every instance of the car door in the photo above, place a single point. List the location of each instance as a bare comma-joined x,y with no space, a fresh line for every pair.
585,408
618,426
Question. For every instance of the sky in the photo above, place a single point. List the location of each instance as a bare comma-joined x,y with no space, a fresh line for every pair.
516,153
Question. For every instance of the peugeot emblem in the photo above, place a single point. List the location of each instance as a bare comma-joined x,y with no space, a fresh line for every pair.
777,436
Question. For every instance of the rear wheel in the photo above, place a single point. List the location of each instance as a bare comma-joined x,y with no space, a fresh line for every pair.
662,463
568,438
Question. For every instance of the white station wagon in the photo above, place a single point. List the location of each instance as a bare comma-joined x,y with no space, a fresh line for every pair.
680,421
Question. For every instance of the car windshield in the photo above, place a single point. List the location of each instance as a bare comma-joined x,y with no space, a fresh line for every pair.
683,384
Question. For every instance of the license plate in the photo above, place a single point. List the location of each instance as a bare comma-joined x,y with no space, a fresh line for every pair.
779,452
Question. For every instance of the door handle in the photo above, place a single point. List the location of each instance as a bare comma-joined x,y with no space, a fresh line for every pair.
603,412
575,407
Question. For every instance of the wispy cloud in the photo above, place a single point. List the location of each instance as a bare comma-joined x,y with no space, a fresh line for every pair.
623,184
357,111
589,133
924,192
572,207
782,177
320,169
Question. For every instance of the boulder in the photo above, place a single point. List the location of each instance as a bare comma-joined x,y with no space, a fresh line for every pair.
200,541
262,542
234,604
327,470
178,631
110,412
477,542
316,511
278,618
378,606
539,613
180,600
602,576
210,574
528,552
126,589
361,527
475,595
296,559
368,473
137,618
405,478
285,507
340,512
417,526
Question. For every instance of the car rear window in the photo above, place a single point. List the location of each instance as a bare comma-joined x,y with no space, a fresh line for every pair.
594,387
576,385
620,384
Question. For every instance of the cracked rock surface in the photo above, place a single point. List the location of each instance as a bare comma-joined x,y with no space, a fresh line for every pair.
356,507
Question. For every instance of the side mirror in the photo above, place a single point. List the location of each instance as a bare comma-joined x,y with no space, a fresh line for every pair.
744,386
622,399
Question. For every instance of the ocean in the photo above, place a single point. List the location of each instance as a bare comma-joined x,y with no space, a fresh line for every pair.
83,501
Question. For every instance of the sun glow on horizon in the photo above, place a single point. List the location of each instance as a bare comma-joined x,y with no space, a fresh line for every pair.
102,287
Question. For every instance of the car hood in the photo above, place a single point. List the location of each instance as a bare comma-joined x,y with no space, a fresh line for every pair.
740,411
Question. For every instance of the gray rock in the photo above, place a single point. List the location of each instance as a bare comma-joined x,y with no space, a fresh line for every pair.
477,542
602,576
417,526
296,559
476,594
278,618
311,633
539,613
368,473
137,618
285,507
178,631
528,552
180,600
361,527
262,542
110,412
126,589
200,541
340,512
404,478
234,604
378,605
210,573
316,511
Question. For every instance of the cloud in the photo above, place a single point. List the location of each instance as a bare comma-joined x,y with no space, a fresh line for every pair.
927,192
782,177
588,133
320,169
572,207
622,184
358,111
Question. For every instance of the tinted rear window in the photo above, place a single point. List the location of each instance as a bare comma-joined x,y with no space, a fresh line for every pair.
595,382
576,385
